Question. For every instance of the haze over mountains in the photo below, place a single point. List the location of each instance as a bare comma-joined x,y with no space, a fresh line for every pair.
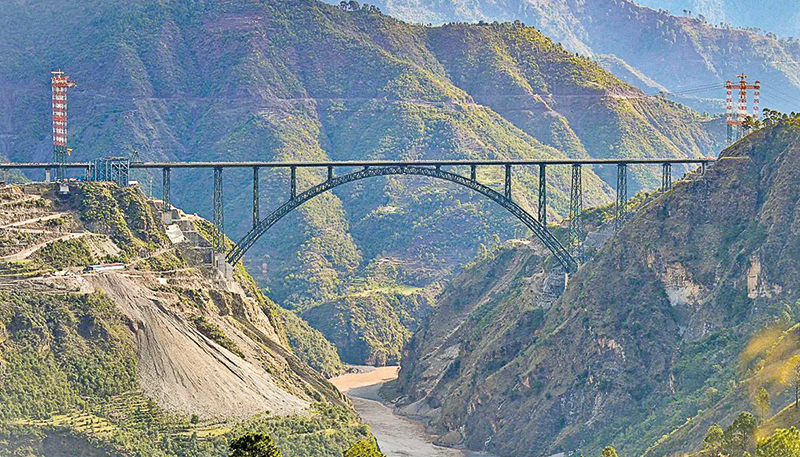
781,17
648,48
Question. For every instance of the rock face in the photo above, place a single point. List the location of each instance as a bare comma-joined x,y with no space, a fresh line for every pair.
301,80
647,333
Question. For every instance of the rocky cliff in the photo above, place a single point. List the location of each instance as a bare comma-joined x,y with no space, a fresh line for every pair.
649,332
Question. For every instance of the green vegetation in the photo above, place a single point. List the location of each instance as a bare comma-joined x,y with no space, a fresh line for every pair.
62,254
609,451
214,333
782,443
254,445
311,346
122,213
364,448
60,349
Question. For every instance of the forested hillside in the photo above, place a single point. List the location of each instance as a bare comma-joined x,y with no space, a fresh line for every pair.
660,335
299,79
651,48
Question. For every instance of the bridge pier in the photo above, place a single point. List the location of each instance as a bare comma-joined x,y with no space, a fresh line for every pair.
293,184
330,173
543,195
219,219
575,211
621,205
166,208
473,172
47,177
666,177
256,217
508,181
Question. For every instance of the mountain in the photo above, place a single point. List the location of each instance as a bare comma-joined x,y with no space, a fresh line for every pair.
652,49
163,358
658,336
278,80
780,17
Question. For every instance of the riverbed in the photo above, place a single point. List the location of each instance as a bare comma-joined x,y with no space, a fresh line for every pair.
397,436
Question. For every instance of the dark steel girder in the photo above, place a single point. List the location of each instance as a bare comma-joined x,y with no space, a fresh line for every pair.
567,261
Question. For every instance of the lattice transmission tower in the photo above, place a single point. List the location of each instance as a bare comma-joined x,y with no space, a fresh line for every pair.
736,118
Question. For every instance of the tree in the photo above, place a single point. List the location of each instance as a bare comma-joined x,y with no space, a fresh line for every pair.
739,436
364,448
714,439
782,443
254,445
762,404
796,376
609,451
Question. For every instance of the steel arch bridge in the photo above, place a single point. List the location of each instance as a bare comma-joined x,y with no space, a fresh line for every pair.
561,254
117,169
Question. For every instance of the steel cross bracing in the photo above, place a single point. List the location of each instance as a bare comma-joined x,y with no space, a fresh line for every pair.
666,177
621,206
558,250
543,195
575,211
256,216
219,217
165,190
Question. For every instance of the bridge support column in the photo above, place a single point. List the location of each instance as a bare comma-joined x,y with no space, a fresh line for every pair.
293,185
666,177
166,207
473,172
219,218
543,195
330,173
622,196
47,177
508,181
575,211
256,205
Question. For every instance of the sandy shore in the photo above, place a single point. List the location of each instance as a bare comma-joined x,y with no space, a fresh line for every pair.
369,377
397,436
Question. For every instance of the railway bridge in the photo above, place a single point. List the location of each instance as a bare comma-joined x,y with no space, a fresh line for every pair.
343,172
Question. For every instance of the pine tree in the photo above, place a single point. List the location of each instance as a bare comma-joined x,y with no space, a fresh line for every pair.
254,445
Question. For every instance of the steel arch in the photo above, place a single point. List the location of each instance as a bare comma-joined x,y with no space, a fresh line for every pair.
558,250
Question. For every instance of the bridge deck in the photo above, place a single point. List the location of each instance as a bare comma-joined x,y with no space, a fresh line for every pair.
374,163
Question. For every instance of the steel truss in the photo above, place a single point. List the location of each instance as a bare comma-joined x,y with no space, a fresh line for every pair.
621,206
576,234
219,216
565,259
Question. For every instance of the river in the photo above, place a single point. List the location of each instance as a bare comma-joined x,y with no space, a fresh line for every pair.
397,436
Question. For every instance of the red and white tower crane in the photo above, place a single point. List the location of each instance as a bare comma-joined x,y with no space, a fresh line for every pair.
60,84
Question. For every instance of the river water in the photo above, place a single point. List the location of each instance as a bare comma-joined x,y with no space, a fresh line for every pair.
397,436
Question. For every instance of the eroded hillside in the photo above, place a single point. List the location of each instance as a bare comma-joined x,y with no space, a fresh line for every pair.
648,333
164,356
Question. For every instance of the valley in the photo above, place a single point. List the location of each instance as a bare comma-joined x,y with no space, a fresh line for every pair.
289,228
